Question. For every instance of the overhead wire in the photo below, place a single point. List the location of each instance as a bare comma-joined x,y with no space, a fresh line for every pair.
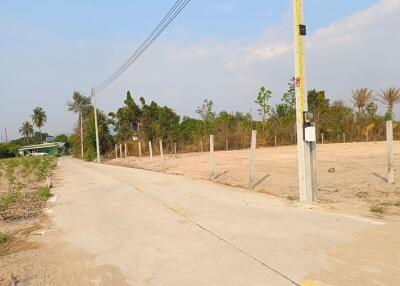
153,36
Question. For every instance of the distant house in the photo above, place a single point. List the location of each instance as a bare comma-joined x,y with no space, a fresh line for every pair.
52,149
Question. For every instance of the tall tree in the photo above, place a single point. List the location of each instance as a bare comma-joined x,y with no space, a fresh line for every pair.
80,104
39,118
207,114
390,97
361,98
26,131
263,97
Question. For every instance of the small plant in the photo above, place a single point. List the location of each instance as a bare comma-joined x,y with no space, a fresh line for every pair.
8,199
43,193
4,237
377,209
291,198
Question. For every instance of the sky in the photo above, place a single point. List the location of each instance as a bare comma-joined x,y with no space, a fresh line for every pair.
223,50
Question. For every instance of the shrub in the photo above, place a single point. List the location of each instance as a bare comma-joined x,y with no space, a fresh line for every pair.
8,199
90,154
43,193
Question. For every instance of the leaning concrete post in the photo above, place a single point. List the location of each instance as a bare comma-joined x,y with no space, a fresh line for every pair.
126,150
161,151
116,151
252,159
322,138
120,150
389,143
140,149
212,158
150,151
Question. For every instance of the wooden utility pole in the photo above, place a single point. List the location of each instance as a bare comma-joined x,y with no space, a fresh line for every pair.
390,156
93,92
305,149
212,158
252,159
150,151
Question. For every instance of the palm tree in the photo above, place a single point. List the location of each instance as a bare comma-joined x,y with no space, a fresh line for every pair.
361,98
26,131
80,105
39,118
390,97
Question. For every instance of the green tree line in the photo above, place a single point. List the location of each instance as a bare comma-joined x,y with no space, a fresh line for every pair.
148,121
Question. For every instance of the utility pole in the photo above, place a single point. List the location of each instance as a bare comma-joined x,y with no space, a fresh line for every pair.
305,130
5,131
93,92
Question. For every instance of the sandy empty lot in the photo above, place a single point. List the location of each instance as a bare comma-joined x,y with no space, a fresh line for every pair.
357,186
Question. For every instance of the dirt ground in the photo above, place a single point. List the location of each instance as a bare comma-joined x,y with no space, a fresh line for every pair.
357,187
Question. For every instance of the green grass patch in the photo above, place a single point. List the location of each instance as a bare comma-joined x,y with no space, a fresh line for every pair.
4,237
8,199
43,193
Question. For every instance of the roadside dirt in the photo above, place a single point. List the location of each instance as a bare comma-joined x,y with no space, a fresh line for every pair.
37,255
356,186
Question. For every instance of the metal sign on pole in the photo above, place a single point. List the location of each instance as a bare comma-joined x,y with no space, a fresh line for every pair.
304,120
93,92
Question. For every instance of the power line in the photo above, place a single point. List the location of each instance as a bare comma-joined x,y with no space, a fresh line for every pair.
162,25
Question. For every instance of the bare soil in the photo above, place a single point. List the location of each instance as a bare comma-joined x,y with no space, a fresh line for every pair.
351,176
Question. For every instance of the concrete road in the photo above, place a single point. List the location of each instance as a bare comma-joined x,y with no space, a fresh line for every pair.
163,229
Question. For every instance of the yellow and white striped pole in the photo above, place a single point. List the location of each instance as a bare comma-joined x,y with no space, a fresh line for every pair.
306,150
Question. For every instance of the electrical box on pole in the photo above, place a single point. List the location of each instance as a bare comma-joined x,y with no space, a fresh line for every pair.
306,145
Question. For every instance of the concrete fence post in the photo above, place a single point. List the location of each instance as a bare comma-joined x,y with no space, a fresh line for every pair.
175,149
344,137
140,149
161,150
390,157
276,141
201,146
252,159
322,138
226,145
116,151
120,150
212,158
150,151
126,150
